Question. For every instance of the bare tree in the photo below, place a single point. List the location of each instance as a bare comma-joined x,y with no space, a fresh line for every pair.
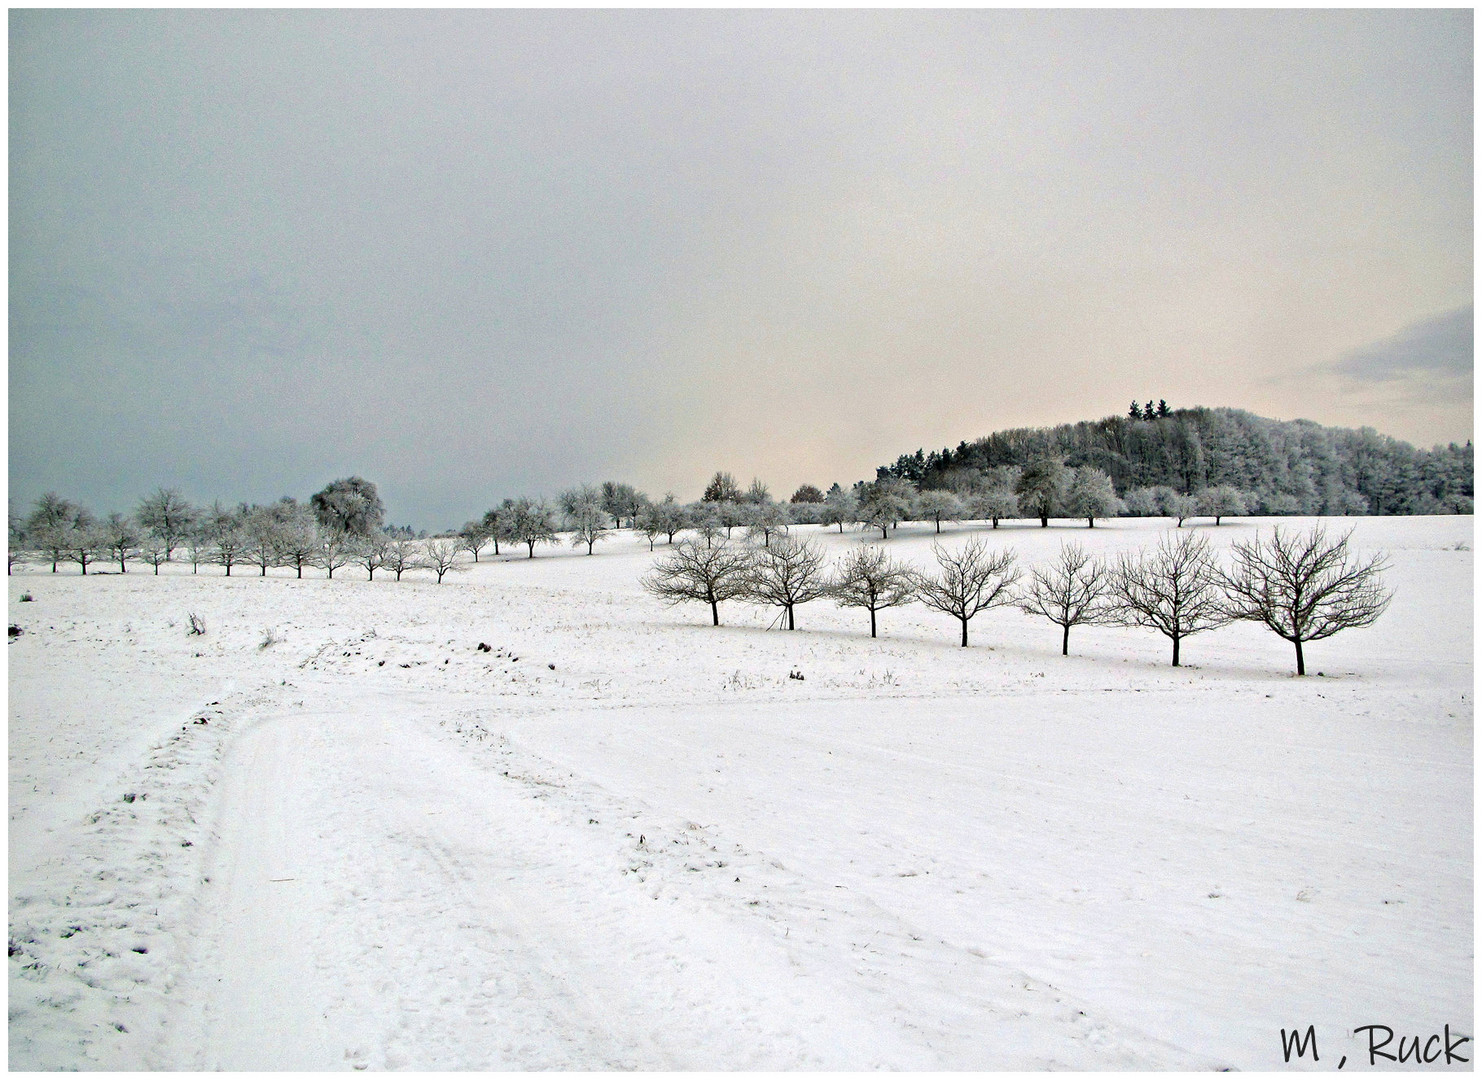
868,578
1072,591
440,556
704,574
785,574
401,556
1176,589
336,549
1304,587
370,552
167,515
972,579
298,540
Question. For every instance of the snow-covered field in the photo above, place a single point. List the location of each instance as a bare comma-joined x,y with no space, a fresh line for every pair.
334,833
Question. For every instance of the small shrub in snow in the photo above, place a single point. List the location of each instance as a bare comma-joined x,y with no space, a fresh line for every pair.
197,625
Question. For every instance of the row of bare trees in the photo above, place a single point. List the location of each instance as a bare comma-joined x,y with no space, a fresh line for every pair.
1302,586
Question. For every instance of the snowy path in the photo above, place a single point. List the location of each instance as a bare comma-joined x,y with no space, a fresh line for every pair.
380,899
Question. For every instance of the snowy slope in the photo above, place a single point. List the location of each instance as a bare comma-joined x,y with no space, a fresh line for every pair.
622,838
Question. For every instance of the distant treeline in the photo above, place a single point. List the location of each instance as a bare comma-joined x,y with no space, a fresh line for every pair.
1283,466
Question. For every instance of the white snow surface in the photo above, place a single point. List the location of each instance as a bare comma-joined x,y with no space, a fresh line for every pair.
625,839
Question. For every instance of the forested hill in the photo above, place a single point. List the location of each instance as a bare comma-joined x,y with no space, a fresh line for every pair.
1284,466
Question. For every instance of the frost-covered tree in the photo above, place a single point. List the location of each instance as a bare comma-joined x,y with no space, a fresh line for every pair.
972,579
706,575
938,506
1142,502
167,515
992,504
766,520
440,555
298,540
622,501
786,574
868,578
532,522
225,536
757,494
1176,589
667,517
84,539
1090,495
336,549
153,551
1072,591
885,503
1178,506
262,537
473,536
706,520
840,508
1221,501
1042,488
350,506
1305,587
121,537
806,493
498,521
51,521
370,552
588,523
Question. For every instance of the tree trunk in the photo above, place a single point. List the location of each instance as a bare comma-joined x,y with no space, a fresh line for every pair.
1065,641
715,612
264,569
964,633
790,624
532,547
939,526
1090,523
1301,663
122,569
872,622
1044,521
1175,650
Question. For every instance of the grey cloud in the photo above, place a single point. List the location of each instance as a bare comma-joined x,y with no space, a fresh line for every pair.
1441,346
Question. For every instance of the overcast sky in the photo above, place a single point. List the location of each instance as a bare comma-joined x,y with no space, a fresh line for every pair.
477,254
